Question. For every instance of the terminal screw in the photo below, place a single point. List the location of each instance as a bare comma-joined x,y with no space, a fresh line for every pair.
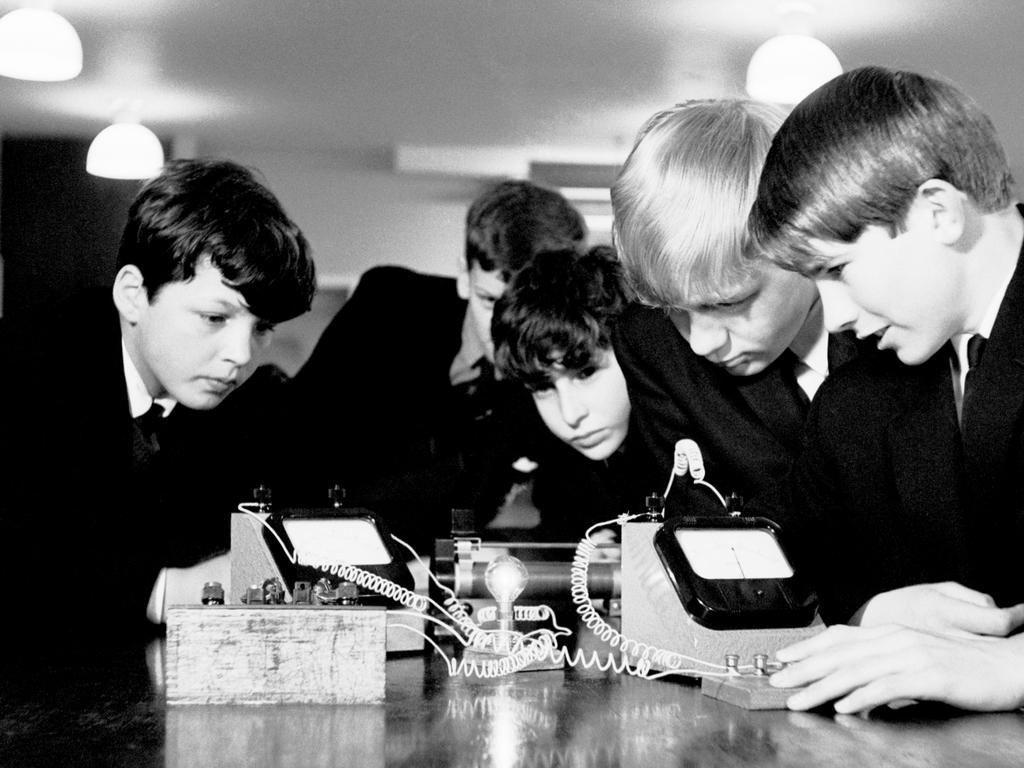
213,593
262,496
760,663
348,593
273,592
655,505
337,496
301,593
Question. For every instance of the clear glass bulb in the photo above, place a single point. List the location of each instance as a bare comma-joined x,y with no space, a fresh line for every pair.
505,578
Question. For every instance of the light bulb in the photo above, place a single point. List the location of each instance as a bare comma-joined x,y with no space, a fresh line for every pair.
38,44
787,67
125,150
505,578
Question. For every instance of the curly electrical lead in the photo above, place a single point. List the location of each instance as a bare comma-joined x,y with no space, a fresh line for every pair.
378,584
646,655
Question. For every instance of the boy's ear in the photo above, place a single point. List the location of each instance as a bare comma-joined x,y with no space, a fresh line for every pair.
944,209
462,279
130,296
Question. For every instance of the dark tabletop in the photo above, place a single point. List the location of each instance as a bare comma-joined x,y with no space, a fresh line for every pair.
107,708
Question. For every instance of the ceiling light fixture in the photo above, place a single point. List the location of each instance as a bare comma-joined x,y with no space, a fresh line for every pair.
125,150
37,44
790,65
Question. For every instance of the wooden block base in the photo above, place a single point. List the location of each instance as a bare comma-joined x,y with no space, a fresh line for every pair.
747,691
282,654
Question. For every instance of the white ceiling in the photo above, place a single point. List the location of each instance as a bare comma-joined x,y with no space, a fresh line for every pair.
361,77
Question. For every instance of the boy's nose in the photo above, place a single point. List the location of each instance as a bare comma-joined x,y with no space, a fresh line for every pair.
839,309
571,406
238,344
706,336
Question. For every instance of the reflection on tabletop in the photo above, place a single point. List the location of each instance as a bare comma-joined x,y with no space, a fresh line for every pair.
109,710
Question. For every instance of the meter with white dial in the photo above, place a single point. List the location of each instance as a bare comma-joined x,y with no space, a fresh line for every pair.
734,573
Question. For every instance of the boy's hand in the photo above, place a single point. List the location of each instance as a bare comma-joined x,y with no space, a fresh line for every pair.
867,667
946,607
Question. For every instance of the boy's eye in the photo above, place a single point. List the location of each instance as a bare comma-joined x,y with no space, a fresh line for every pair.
732,303
727,304
835,272
213,319
586,373
264,328
540,388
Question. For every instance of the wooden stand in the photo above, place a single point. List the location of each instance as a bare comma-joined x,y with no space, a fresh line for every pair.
279,654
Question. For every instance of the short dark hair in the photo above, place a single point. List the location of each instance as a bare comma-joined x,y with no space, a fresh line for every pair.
216,209
512,221
558,310
854,152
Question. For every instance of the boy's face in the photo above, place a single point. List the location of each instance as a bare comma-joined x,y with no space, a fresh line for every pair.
587,409
193,341
747,331
481,289
906,290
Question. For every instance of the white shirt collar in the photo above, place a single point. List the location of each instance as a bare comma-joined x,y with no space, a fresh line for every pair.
812,368
988,321
139,399
817,356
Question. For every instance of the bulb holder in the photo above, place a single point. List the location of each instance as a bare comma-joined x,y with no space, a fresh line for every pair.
785,68
37,44
125,150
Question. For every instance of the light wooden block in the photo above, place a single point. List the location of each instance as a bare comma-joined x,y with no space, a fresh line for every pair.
282,654
747,691
652,612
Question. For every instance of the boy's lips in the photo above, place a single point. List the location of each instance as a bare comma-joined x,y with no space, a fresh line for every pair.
219,386
878,333
590,439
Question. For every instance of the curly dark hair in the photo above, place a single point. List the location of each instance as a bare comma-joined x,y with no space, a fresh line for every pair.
558,310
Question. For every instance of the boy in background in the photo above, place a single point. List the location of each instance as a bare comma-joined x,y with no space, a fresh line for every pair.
552,333
398,402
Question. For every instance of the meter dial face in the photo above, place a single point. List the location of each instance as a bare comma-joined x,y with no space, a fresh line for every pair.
733,553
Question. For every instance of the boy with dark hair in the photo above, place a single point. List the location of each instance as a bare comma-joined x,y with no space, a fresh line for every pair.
106,418
553,334
398,399
891,190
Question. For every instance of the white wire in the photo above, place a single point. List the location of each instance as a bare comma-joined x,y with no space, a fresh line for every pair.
292,556
672,661
532,646
672,477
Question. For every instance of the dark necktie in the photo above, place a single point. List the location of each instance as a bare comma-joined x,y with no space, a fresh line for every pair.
790,363
144,436
777,399
975,350
477,395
